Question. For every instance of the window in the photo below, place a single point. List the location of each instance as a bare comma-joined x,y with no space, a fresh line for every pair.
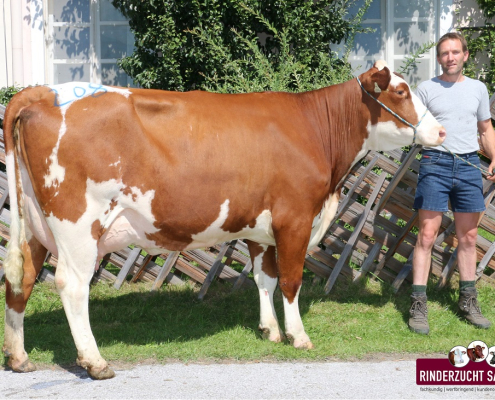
401,28
84,40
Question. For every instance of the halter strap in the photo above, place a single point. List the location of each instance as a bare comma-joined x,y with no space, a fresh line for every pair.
414,127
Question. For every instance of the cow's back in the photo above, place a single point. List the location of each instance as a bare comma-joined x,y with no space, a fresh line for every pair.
240,155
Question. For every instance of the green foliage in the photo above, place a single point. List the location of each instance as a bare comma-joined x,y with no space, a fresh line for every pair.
6,93
278,71
225,45
481,43
411,61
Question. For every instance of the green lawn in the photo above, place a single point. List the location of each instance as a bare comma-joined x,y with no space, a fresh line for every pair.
354,321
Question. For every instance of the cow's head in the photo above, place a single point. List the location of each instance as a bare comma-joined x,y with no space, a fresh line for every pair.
387,131
479,351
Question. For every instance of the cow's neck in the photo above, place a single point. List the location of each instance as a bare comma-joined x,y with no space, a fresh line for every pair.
341,123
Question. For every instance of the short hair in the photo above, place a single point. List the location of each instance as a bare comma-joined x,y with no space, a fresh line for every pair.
452,36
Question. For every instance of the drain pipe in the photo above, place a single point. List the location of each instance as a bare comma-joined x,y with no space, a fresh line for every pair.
17,57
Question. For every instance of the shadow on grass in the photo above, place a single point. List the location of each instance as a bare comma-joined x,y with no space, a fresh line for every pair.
446,298
137,317
141,318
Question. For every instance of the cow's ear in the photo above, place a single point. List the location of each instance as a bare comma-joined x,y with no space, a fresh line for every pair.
381,79
377,78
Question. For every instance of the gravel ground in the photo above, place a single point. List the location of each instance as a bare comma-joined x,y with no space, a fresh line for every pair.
389,379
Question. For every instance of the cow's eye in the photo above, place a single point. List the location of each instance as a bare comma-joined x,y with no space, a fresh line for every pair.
400,92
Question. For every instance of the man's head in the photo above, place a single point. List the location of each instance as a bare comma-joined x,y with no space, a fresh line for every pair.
452,53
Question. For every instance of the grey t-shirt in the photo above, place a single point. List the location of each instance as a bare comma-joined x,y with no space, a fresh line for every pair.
458,107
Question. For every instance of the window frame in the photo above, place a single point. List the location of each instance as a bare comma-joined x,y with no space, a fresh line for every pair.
94,59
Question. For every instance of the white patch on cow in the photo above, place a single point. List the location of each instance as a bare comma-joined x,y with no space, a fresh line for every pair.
78,235
262,232
56,173
266,288
115,164
214,231
14,334
322,221
387,135
33,215
65,95
458,356
293,323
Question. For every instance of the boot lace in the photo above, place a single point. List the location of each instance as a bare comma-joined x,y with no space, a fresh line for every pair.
471,306
419,311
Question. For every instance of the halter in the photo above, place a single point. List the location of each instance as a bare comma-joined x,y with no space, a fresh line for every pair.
414,127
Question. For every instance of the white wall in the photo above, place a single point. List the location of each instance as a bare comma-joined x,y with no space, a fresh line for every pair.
6,78
22,43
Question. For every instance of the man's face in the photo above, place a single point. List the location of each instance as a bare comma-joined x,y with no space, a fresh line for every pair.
451,57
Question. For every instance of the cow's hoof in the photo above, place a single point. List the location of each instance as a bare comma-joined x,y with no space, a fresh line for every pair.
302,343
25,366
275,335
100,374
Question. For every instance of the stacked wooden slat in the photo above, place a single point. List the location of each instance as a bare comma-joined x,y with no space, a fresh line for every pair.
386,238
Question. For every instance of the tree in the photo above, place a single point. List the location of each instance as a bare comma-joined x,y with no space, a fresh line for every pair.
481,41
205,44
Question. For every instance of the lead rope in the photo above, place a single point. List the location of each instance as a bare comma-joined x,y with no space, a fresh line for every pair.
415,127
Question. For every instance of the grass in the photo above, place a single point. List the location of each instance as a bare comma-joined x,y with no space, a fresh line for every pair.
134,325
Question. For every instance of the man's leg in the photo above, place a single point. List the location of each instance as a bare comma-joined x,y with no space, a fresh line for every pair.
466,225
429,225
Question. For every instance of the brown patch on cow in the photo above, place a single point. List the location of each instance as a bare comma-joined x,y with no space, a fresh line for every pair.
289,288
97,230
34,255
113,204
451,358
268,260
127,191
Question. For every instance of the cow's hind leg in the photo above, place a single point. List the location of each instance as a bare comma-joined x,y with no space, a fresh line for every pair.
74,271
292,243
15,304
265,276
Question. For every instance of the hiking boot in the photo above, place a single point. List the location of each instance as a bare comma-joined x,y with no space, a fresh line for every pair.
418,322
470,309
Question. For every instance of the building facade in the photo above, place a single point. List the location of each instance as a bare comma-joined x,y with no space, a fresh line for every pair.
56,41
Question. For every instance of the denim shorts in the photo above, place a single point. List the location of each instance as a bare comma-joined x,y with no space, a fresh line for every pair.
443,177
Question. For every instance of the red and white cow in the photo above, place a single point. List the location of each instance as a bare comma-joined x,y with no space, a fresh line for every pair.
93,169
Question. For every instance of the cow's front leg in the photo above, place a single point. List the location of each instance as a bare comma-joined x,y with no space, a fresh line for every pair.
13,347
74,272
265,276
292,244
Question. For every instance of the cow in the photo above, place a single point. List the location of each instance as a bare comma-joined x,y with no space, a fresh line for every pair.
492,360
455,357
476,353
93,169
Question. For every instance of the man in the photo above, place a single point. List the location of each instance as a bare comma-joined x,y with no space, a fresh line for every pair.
461,105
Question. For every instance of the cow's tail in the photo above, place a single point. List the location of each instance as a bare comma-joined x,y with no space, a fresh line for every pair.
14,260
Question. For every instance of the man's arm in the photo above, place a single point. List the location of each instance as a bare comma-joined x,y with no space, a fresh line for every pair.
487,137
